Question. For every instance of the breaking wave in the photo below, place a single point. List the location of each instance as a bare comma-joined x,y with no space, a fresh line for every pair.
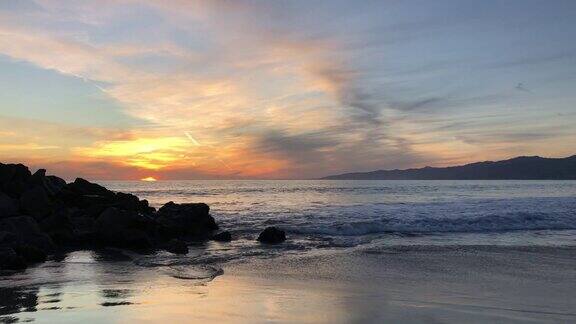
487,223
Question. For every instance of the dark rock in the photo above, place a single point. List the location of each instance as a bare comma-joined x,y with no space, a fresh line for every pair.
84,230
122,228
187,219
14,179
137,239
74,199
95,210
51,184
87,201
14,172
94,199
145,207
54,184
30,253
83,224
70,198
85,214
83,194
130,202
85,187
193,210
35,202
272,235
7,238
222,237
38,177
59,226
8,206
10,260
176,246
15,189
127,201
27,231
167,232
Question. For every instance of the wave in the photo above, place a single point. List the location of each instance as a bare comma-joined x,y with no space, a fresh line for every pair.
486,223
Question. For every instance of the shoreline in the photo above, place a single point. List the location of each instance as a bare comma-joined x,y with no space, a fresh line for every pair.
409,284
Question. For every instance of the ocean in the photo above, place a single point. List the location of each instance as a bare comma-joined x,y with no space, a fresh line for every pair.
318,213
357,251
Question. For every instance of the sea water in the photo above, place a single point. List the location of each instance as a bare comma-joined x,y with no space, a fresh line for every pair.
318,213
357,251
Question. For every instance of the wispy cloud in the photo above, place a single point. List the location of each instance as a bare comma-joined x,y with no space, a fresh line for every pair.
267,89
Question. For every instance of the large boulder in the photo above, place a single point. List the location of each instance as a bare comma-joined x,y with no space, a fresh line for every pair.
11,172
137,239
51,184
84,194
85,187
36,202
93,199
54,184
27,231
59,226
84,231
187,220
128,201
8,206
14,179
272,235
123,228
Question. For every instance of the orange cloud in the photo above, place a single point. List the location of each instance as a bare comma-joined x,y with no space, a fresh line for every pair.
147,153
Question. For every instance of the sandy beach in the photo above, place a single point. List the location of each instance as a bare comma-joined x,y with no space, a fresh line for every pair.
418,284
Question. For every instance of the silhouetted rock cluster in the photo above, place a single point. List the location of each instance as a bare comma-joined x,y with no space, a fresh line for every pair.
42,214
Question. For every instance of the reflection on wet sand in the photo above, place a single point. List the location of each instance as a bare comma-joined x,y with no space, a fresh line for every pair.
103,287
68,285
15,301
116,297
409,284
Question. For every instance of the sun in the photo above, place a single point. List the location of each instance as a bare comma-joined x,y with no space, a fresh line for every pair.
148,179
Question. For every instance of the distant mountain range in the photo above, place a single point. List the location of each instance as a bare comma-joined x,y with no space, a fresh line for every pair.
520,168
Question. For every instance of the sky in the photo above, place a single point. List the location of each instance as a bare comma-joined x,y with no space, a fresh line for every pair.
182,89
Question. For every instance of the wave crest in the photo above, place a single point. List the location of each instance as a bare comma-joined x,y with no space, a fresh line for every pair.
488,223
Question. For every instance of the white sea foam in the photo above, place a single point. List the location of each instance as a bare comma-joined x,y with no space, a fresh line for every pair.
489,223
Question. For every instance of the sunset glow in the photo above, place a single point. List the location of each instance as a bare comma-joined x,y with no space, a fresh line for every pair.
148,179
107,89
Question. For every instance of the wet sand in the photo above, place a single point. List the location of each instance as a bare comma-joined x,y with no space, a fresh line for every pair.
418,284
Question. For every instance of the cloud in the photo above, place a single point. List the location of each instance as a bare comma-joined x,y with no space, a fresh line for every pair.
300,148
420,104
349,93
146,153
534,60
253,88
317,107
65,56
